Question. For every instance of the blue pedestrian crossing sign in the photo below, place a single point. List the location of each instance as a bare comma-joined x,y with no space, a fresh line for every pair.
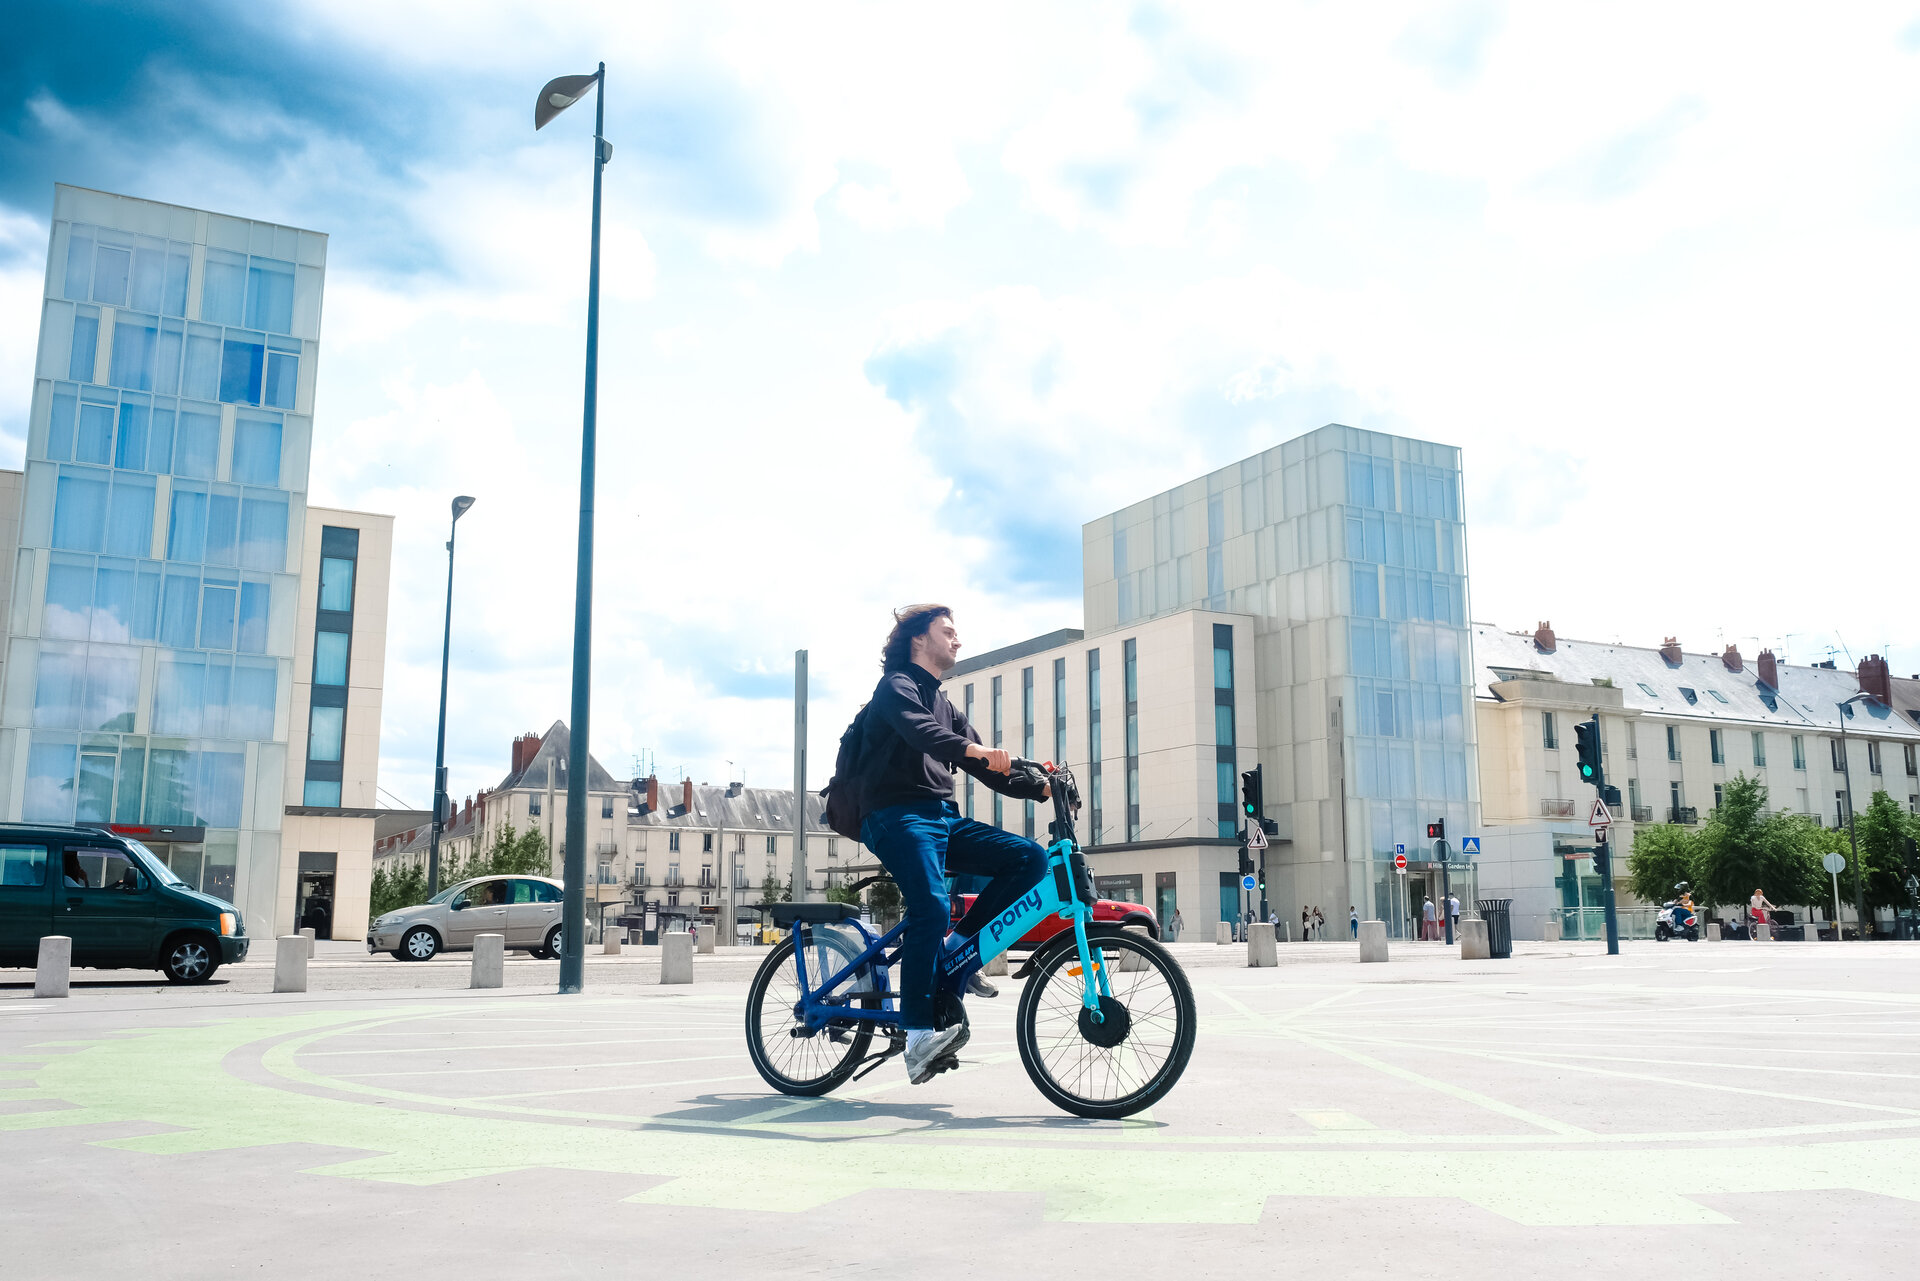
1469,845
1247,881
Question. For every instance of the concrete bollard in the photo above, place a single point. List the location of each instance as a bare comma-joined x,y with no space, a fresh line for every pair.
996,968
1473,940
290,963
1373,940
1550,932
1763,932
307,932
676,958
1713,932
1261,951
489,961
704,937
53,976
1223,934
612,946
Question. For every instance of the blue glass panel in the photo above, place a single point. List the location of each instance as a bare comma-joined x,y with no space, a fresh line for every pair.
213,696
240,371
250,714
146,605
160,439
330,658
223,522
59,688
79,511
1223,781
169,785
79,281
199,450
324,733
113,594
179,695
95,793
263,532
149,279
174,299
130,520
86,342
1223,669
321,791
202,377
133,765
49,797
110,268
270,295
187,524
179,611
256,451
1223,725
166,358
255,599
283,378
217,608
94,441
336,583
60,426
131,448
223,287
69,599
113,687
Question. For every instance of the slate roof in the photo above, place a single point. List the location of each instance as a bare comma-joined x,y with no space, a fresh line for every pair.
553,748
752,809
1807,699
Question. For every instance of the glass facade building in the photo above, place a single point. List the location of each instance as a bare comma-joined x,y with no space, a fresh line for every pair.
151,629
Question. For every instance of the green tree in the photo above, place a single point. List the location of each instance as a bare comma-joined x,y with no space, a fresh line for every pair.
1882,830
884,898
839,893
1743,845
514,853
1664,854
774,890
403,886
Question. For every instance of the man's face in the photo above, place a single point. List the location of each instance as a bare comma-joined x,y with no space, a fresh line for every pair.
941,644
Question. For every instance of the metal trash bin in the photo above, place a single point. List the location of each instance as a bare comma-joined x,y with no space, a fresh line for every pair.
1498,914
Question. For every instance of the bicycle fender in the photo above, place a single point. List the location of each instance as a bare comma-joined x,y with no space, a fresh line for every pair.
1064,939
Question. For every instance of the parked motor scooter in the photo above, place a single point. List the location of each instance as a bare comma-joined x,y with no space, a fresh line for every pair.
1677,918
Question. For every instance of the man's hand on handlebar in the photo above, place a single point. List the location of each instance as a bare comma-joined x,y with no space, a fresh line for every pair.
1001,762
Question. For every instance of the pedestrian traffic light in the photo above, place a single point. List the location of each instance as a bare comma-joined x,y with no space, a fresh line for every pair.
1437,831
1246,862
1586,737
1600,858
1252,803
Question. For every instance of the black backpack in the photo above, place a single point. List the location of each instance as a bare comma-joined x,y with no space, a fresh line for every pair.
842,792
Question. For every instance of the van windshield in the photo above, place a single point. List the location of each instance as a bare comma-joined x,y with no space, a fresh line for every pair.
152,862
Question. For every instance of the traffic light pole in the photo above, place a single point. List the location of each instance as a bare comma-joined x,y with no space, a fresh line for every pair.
1602,856
1446,892
1593,770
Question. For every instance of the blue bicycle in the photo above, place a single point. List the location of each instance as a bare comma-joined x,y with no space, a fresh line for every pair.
1105,1024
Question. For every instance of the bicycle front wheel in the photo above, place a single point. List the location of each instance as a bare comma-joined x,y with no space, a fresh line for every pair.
1134,1054
788,1057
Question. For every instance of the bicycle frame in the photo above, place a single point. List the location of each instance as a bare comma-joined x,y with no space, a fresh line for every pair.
1052,895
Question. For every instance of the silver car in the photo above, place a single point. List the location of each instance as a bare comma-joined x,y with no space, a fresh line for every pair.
524,908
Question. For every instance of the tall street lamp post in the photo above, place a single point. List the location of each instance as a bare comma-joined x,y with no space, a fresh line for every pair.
1853,842
460,506
556,97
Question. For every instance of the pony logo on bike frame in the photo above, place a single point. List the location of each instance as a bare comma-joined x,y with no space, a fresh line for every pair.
1028,904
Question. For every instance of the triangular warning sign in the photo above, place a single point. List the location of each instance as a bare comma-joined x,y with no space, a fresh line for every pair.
1600,817
1256,836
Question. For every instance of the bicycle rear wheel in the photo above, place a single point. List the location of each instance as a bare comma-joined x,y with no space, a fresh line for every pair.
1130,1059
789,1057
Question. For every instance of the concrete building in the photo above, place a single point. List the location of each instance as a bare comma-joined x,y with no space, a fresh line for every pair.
1675,728
1304,610
172,607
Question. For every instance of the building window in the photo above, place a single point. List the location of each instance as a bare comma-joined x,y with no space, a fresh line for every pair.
773,845
1689,695
1130,660
1913,761
1759,749
673,843
1873,757
1836,747
1026,742
998,800
1633,795
1673,742
1717,696
533,804
1799,752
706,842
1646,689
833,847
606,807
1719,794
967,711
1716,748
1840,808
1549,735
1225,738
332,640
1678,798
1060,712
1096,814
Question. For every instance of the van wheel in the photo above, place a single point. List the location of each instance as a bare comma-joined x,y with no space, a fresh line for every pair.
189,959
419,944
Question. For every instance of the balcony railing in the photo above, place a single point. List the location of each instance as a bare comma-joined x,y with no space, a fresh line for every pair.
1641,813
706,880
1683,814
607,847
1556,809
675,880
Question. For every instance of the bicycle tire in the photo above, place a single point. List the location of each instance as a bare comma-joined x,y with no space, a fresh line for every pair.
1161,1032
829,1068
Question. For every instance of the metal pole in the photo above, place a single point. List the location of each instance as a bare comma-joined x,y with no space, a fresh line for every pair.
573,921
799,870
1606,891
440,745
1446,892
1859,878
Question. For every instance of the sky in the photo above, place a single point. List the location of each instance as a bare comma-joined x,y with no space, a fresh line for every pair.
894,298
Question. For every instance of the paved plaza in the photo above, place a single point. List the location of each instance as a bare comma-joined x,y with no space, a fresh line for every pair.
1708,1109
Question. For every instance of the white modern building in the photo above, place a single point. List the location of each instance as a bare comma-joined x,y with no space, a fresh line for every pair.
1304,610
179,617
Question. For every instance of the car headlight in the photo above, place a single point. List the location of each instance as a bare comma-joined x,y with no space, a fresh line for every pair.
229,923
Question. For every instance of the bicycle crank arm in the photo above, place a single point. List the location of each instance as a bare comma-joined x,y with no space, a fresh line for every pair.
873,1061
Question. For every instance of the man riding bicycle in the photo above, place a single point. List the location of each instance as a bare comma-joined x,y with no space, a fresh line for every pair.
913,738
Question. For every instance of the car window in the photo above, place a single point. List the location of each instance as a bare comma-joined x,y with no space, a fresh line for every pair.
23,865
523,892
99,869
488,894
545,893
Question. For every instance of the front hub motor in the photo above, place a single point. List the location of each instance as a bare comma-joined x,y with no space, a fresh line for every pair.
1111,1028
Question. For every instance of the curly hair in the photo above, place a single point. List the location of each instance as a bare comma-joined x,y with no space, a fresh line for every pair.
908,622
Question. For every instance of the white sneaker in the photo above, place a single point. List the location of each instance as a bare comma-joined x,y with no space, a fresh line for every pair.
977,985
927,1048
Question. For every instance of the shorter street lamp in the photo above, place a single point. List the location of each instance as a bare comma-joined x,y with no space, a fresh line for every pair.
460,506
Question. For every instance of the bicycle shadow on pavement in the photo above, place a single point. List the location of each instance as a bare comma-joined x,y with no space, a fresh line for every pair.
745,1113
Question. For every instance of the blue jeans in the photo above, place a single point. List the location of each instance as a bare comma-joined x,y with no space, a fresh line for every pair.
919,845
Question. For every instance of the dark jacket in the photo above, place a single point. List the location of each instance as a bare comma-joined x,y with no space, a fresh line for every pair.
914,737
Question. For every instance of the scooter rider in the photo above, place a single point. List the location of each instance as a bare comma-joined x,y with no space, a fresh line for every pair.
914,737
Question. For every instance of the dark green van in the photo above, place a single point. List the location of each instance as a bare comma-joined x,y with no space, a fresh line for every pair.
122,907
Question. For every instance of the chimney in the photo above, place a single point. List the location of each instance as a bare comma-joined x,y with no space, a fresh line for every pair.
525,748
653,794
1543,638
1671,652
1769,670
1732,659
686,795
1875,680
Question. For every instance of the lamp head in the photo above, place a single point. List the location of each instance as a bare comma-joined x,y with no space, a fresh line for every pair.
560,94
460,506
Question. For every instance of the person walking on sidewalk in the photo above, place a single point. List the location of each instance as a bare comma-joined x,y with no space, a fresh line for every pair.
1426,919
1178,924
1353,921
1319,925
